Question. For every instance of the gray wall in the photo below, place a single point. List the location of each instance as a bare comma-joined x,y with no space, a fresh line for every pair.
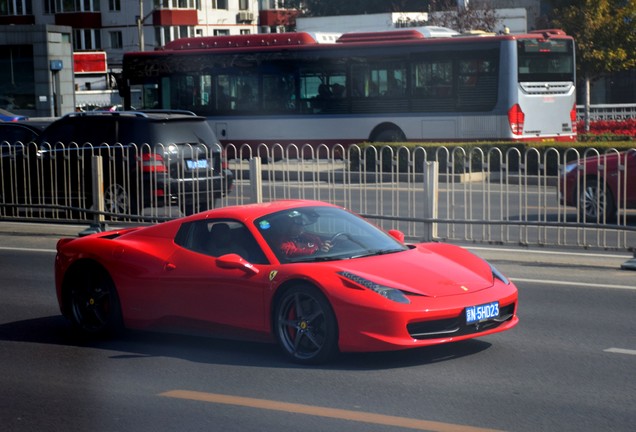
54,91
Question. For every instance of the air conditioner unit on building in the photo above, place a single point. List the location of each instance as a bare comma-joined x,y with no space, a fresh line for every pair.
245,16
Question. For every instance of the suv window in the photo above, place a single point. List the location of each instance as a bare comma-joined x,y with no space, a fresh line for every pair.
18,132
80,130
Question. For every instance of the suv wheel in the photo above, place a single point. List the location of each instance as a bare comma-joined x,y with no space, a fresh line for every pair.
116,199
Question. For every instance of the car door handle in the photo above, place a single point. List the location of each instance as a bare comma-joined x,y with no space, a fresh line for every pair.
169,266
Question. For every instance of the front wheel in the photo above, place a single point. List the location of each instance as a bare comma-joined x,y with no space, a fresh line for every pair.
305,325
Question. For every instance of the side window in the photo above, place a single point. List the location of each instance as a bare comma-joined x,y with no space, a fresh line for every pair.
322,90
279,92
220,237
433,78
379,80
81,130
15,134
477,82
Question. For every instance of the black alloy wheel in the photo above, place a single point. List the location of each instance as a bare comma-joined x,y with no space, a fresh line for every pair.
93,302
305,325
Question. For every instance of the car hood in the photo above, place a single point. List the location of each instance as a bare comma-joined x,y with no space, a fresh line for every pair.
432,270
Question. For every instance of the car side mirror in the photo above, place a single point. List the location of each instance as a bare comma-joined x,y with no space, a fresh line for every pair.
397,234
235,261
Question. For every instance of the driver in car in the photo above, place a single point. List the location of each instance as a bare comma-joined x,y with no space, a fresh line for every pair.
298,242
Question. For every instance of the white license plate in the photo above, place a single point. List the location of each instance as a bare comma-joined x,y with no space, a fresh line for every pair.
196,164
482,312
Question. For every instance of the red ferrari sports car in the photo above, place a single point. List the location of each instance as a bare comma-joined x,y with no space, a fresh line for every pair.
312,276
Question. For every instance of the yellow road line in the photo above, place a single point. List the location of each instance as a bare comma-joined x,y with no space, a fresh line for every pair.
356,416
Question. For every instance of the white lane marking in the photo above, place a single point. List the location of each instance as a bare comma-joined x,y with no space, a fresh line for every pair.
620,351
570,283
18,249
542,252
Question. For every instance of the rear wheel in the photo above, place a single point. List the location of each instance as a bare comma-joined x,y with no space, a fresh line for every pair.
116,199
119,200
389,134
596,203
93,303
305,325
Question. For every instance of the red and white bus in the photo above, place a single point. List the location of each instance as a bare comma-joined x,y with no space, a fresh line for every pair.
386,86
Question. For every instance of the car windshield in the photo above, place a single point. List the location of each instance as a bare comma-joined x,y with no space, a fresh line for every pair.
306,234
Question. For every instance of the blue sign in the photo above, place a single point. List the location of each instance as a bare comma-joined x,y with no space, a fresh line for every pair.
56,65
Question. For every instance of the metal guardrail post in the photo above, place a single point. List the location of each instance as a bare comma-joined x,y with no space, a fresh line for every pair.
98,189
97,178
431,194
256,180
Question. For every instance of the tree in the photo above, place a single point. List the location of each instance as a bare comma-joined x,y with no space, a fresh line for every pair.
479,15
605,36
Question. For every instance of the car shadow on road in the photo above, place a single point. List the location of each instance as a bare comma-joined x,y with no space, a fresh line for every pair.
132,344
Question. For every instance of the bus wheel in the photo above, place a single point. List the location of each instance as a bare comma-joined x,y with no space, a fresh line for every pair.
388,134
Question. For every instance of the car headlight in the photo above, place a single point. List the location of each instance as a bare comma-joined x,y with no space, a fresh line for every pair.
387,292
498,275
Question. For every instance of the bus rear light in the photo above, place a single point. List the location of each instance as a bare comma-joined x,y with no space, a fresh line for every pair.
516,119
573,119
153,163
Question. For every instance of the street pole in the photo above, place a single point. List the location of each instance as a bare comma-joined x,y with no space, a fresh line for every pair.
140,25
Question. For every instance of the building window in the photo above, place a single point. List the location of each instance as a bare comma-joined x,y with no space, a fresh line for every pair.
116,40
17,79
15,7
163,35
86,39
114,5
221,32
177,4
245,31
219,4
244,4
59,6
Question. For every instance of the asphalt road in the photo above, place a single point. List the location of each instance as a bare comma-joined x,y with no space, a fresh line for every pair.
568,366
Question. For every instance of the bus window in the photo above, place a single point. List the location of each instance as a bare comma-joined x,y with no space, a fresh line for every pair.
433,79
379,80
235,92
322,91
477,83
148,95
279,93
545,61
190,92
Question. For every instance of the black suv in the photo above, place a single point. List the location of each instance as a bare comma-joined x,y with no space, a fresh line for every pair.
150,160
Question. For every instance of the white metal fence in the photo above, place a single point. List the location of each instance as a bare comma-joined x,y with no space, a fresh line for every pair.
608,112
492,195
